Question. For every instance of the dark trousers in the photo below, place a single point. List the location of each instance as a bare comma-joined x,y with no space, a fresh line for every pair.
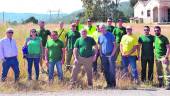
95,62
13,63
109,70
144,62
68,58
36,62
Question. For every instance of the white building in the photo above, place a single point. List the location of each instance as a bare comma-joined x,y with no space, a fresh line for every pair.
152,11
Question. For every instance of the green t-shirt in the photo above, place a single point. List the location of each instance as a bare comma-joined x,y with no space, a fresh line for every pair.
146,42
71,38
119,32
54,49
44,35
34,47
79,27
110,28
160,43
85,46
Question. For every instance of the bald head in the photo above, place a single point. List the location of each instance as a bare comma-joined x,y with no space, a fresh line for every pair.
102,28
129,30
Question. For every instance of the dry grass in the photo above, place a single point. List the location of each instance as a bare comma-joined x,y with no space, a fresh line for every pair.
22,31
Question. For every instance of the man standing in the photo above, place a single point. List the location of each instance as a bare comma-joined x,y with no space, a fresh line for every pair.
43,33
90,28
55,55
128,48
147,54
162,51
8,54
71,38
83,55
109,27
78,25
95,36
61,31
118,33
107,44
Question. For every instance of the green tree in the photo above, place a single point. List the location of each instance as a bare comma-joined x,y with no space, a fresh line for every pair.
133,2
100,10
31,19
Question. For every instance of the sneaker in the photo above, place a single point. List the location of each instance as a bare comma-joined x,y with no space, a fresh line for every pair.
168,88
50,82
136,81
109,87
89,87
29,78
17,80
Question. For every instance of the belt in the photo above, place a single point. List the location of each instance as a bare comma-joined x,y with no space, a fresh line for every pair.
10,57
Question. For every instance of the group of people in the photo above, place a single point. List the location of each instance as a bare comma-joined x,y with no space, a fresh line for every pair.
86,44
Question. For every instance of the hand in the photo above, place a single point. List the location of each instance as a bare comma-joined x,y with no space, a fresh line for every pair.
124,54
94,58
138,57
62,61
165,61
43,56
75,61
3,60
46,62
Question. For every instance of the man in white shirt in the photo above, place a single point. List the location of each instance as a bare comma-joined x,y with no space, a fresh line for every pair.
8,55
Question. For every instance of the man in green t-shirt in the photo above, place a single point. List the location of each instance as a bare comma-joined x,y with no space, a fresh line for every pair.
147,55
83,55
43,33
162,51
118,32
109,26
71,38
55,56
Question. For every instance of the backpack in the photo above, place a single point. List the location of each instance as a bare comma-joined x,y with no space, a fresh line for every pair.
25,49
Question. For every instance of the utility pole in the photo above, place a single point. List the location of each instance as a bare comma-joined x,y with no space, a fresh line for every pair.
51,12
59,13
3,17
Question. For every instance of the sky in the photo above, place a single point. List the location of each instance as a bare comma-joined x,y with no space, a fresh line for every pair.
40,6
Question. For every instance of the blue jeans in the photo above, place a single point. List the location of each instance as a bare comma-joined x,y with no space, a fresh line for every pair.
59,70
36,66
10,62
109,70
132,61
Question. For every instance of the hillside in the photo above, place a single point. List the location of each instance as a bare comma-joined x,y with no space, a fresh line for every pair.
19,17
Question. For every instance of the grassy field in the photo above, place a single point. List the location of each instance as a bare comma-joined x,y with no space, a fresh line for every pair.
22,31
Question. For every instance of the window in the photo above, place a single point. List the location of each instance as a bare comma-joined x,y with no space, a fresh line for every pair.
148,13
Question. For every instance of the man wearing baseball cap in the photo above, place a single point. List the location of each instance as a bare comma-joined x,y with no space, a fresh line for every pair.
109,26
8,55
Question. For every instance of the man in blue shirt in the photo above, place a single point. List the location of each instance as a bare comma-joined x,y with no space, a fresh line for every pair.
107,45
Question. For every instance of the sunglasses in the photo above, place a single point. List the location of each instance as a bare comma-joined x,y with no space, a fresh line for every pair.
129,29
146,30
10,32
156,30
33,31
